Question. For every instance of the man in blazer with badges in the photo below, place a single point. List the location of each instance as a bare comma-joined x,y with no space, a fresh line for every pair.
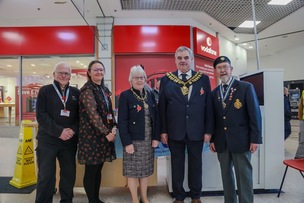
186,116
237,131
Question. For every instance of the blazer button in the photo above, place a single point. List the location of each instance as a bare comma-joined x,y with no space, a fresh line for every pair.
133,122
225,128
224,117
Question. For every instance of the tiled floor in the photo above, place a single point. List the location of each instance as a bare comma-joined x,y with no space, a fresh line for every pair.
293,186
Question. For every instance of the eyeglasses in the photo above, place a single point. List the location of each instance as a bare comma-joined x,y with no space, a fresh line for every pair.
224,67
98,69
139,78
181,58
64,74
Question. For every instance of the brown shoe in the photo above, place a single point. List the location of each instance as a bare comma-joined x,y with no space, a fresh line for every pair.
178,201
196,201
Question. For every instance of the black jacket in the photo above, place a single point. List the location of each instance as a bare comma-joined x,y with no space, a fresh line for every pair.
131,118
50,122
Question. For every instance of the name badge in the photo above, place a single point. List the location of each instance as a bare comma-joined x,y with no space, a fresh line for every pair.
109,116
65,112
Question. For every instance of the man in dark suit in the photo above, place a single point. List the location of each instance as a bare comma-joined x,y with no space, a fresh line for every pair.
184,104
237,131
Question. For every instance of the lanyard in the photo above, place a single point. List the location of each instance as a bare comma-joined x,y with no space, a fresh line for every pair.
105,97
63,98
223,97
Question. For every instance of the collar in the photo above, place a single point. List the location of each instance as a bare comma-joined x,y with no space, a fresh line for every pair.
138,92
228,83
59,87
188,73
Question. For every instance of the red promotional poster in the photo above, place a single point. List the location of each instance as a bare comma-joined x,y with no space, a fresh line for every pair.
29,99
156,66
206,67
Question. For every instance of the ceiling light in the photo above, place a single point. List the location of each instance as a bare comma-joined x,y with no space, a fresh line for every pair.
60,2
244,44
248,24
236,39
250,47
279,2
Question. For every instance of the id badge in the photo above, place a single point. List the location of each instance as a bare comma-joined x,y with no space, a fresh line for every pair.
65,112
109,117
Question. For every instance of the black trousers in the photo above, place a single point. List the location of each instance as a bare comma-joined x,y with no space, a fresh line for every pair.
194,150
46,159
92,181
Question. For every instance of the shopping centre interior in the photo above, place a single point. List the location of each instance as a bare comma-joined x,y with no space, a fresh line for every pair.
277,45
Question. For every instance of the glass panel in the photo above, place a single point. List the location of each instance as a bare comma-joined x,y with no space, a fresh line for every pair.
36,71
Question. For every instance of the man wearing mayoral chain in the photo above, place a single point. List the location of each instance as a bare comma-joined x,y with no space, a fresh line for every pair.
186,116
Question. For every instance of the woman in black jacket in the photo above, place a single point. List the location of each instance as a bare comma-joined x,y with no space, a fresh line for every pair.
139,132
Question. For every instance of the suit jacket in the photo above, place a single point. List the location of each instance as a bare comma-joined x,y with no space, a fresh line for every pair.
181,116
131,118
239,124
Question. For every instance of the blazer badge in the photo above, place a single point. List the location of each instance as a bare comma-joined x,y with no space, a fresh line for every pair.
237,104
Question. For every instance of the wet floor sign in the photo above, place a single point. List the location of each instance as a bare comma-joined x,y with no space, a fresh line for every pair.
25,170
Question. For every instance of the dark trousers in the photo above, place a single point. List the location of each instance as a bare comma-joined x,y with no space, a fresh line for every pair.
46,159
92,181
243,172
194,150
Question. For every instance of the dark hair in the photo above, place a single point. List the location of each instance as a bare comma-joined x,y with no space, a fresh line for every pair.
90,67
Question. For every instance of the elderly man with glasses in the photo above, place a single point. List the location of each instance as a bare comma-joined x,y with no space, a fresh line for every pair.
57,117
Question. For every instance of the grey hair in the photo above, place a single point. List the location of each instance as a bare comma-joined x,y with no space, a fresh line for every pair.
137,70
62,64
184,48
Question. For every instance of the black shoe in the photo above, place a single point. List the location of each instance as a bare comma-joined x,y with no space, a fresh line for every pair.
140,201
99,201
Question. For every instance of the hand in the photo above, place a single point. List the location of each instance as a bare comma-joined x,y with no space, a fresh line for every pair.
253,147
130,149
164,138
212,147
110,137
67,134
155,143
114,130
207,137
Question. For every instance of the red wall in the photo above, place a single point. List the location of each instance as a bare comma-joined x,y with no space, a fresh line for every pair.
47,40
150,39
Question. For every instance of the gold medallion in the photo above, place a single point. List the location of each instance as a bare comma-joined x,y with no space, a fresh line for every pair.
237,104
185,90
146,105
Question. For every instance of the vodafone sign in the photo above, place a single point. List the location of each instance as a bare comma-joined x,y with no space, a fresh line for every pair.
205,44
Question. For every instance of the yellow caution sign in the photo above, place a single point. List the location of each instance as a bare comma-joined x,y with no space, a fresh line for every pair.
25,169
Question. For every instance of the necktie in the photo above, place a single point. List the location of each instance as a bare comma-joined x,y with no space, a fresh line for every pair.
225,88
184,77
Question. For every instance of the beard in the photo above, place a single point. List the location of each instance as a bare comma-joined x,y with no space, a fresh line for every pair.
225,79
